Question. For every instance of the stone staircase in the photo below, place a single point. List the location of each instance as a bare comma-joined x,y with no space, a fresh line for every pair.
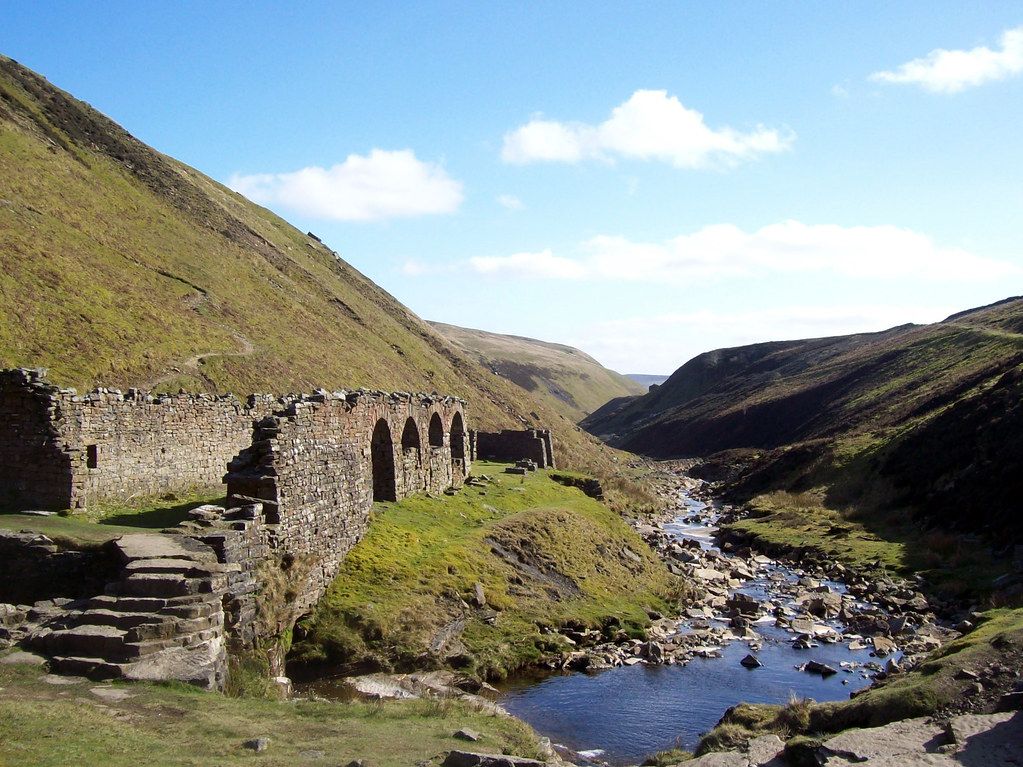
164,618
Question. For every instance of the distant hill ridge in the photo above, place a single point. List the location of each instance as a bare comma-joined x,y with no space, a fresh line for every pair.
936,411
569,380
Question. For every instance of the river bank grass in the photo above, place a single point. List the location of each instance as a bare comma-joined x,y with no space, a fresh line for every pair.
52,725
544,555
953,566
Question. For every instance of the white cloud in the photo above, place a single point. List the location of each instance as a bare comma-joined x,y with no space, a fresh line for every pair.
510,201
663,342
725,250
542,264
651,125
944,71
384,184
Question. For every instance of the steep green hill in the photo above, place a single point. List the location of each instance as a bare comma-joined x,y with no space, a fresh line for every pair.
124,267
570,381
926,418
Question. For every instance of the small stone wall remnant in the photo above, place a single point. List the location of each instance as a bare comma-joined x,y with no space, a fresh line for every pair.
510,445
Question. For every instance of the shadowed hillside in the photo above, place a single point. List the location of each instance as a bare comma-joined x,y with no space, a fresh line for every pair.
570,381
923,417
126,268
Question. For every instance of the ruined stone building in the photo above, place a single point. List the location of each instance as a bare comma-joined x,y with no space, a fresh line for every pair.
302,474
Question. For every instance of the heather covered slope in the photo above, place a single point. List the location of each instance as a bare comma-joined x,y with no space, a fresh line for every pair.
124,267
917,420
570,381
771,394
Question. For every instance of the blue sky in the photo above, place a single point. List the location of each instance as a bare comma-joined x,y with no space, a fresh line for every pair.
645,184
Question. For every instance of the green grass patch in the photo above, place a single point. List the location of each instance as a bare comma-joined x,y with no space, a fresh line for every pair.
545,554
55,725
105,521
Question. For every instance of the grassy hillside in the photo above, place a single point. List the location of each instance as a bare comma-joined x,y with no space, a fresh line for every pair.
544,554
124,267
915,420
570,381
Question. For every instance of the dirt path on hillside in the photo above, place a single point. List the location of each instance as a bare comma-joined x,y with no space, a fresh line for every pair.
193,364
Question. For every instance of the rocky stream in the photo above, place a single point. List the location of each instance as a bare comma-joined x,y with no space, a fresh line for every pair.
763,631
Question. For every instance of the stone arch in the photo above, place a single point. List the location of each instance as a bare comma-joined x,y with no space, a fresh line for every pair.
457,443
410,436
436,434
382,452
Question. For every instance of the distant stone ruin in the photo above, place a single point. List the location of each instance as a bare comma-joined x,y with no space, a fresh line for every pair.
302,475
509,445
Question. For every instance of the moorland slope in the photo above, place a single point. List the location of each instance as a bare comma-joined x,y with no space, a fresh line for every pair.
123,267
568,380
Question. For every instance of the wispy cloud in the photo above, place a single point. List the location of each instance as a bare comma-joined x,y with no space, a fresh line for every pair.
510,201
651,125
381,185
945,71
725,250
542,264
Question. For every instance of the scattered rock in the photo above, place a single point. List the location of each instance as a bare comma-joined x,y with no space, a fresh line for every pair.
257,744
479,598
111,694
466,734
470,759
816,667
21,656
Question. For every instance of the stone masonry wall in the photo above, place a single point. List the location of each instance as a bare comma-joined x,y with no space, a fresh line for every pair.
62,450
509,445
317,466
35,469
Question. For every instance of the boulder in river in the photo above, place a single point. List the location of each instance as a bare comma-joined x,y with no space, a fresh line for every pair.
751,661
816,667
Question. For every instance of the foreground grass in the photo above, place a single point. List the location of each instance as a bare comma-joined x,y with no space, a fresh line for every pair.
545,555
54,725
927,689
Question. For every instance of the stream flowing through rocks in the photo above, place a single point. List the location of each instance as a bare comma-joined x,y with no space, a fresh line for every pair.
764,632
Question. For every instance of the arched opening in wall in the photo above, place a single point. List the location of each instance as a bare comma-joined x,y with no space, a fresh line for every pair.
436,435
458,444
382,452
410,438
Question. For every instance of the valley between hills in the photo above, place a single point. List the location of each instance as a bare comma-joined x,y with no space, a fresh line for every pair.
847,505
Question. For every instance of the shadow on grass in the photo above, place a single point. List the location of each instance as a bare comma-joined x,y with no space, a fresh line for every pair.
157,517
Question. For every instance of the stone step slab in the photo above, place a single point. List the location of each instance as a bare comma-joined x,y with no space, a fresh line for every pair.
146,604
121,620
157,546
184,567
162,585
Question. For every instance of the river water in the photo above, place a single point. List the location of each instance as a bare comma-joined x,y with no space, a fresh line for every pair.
621,715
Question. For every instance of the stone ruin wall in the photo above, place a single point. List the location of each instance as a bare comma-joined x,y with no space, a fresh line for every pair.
316,467
536,445
63,450
34,469
303,472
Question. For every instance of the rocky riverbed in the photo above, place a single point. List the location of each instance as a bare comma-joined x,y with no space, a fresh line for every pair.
786,623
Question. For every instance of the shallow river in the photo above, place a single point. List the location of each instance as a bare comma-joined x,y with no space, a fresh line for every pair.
621,715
